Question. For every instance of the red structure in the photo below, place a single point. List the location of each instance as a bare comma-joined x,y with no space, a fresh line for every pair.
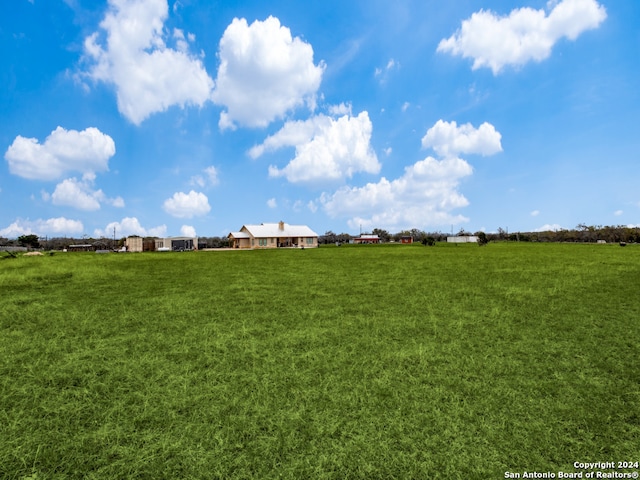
406,239
367,239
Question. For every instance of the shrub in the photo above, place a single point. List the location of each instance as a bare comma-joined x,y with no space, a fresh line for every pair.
482,239
429,241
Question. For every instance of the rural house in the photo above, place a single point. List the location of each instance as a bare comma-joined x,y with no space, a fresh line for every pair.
367,239
274,235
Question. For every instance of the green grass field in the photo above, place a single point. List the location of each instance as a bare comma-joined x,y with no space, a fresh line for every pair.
451,362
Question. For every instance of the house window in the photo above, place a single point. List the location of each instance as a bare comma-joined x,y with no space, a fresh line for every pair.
309,241
262,242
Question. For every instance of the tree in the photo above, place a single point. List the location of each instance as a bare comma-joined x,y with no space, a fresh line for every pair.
418,235
29,241
482,238
343,238
328,237
382,234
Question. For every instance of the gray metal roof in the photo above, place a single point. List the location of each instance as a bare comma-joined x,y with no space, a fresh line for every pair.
267,230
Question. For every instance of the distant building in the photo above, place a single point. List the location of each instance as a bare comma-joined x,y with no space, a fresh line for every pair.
87,247
134,244
406,239
368,239
176,244
463,239
13,249
273,235
149,244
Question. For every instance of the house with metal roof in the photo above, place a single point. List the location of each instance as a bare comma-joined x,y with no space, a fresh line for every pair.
368,239
274,235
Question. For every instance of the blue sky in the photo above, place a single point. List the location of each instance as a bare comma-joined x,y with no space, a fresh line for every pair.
194,117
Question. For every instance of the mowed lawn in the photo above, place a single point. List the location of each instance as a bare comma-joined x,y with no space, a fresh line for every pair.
392,361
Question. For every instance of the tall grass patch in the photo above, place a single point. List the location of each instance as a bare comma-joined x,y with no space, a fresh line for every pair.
352,362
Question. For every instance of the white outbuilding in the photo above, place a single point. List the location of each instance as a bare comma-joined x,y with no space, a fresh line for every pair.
463,239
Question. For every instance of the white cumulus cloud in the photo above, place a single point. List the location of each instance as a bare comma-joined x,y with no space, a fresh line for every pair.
264,72
524,35
426,194
117,202
80,194
187,231
187,205
130,226
292,133
76,194
446,139
63,151
326,149
148,76
51,226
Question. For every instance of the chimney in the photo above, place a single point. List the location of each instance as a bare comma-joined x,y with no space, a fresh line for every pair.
281,225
